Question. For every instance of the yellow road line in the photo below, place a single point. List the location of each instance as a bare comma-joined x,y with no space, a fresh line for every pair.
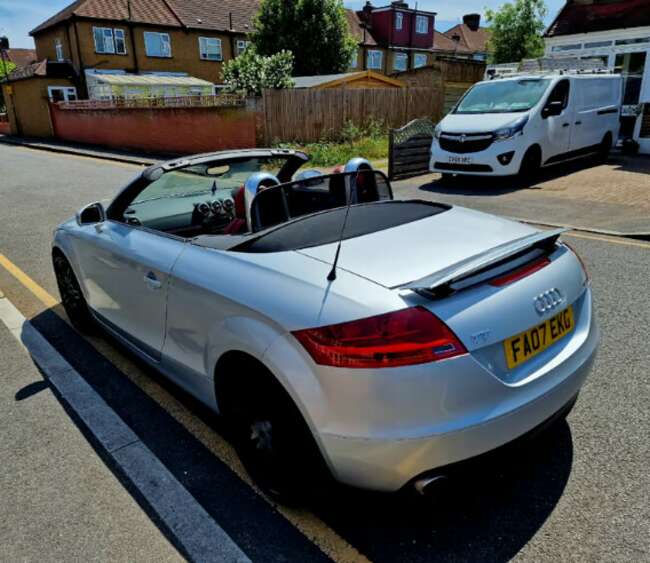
611,240
42,295
312,527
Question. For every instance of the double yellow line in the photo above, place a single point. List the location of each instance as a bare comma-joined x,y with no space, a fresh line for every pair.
312,527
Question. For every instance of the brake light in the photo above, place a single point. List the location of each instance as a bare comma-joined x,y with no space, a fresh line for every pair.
407,337
520,273
582,262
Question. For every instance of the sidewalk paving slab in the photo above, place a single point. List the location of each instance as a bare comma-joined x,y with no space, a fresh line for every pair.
59,501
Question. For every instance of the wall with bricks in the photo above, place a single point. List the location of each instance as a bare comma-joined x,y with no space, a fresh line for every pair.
185,130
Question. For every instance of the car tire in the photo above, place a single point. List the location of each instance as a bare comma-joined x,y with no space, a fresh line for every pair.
272,439
530,164
72,297
446,178
604,149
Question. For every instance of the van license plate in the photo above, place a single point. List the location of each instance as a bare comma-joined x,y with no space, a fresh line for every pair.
460,160
521,348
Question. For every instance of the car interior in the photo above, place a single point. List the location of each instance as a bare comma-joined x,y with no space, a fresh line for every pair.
209,198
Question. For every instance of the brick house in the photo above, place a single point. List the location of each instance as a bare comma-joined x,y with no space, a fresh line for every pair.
164,37
402,37
469,38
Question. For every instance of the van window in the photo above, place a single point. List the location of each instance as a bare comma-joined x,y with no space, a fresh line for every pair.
503,96
560,93
597,93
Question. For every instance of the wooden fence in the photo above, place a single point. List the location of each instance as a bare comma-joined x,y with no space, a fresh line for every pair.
410,149
306,115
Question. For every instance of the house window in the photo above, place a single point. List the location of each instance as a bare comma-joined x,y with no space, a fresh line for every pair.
399,21
422,24
241,46
400,61
61,94
572,47
157,44
419,60
210,49
58,47
597,44
375,60
109,41
633,41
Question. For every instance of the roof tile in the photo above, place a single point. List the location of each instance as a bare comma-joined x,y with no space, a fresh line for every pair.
602,16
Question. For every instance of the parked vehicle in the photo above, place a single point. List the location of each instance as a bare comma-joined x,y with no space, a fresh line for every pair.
338,331
518,124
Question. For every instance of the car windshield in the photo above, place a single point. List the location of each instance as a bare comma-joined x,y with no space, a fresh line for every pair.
206,178
503,96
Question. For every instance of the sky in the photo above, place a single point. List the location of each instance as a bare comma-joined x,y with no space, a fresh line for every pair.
17,17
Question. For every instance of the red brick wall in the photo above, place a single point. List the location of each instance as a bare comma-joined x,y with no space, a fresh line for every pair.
165,130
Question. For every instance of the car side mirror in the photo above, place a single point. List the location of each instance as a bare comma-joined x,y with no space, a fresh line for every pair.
552,109
91,214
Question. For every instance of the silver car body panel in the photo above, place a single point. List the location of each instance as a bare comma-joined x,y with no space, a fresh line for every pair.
376,428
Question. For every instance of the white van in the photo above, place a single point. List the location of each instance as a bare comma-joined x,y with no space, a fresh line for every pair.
515,125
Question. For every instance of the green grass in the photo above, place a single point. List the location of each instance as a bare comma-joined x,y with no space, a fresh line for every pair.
370,142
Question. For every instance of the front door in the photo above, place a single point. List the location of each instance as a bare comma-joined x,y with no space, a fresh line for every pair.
126,273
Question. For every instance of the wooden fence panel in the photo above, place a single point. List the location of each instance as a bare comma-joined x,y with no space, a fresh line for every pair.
307,115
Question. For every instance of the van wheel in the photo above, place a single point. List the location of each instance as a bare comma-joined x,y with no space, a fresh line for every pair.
604,149
530,164
72,297
271,437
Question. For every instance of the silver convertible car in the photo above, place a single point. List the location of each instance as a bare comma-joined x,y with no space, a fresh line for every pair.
339,332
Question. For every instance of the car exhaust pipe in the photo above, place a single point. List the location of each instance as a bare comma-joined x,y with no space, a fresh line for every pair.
430,486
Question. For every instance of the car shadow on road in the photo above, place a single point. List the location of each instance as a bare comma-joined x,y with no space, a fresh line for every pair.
489,512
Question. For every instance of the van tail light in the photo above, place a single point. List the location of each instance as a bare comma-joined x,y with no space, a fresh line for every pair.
402,338
582,262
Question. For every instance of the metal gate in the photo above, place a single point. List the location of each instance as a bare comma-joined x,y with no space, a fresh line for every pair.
410,149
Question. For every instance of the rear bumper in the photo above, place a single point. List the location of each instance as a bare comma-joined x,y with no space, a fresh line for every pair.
389,464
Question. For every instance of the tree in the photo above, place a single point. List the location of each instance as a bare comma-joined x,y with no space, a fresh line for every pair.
315,31
10,67
516,31
250,72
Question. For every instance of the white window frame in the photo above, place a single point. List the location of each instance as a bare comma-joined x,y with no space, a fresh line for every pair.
109,40
58,48
401,57
205,44
422,25
420,56
399,21
241,46
68,92
165,41
372,53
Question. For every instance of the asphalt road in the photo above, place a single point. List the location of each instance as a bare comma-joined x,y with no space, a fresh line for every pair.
579,492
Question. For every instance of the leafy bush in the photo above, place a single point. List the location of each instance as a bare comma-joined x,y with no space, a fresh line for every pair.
369,141
250,73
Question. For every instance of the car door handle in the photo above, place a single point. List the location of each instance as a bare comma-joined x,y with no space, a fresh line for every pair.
152,281
565,124
578,122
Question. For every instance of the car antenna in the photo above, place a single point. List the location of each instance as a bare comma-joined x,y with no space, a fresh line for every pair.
332,275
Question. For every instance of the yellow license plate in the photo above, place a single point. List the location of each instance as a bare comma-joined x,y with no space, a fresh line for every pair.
527,345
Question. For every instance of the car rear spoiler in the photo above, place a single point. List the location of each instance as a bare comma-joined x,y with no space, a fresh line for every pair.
475,264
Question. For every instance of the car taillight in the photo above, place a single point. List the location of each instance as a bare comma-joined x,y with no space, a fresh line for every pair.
403,338
520,273
582,262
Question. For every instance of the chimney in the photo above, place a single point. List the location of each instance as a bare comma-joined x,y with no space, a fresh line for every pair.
473,21
366,13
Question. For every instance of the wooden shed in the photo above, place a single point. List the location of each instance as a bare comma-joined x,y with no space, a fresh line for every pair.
362,79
